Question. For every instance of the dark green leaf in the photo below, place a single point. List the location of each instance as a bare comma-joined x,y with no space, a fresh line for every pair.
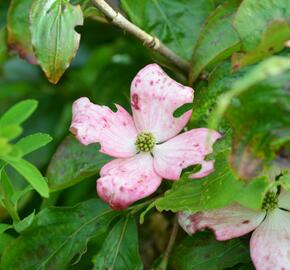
19,194
216,190
57,235
203,252
19,38
53,35
176,22
244,266
23,224
73,162
30,173
268,68
219,81
7,192
5,240
33,142
217,40
181,110
253,18
120,249
18,113
4,227
3,45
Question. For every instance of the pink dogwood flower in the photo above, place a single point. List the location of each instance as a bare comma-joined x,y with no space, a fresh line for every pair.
147,146
270,241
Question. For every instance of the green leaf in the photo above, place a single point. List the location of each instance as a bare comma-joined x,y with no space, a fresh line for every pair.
120,249
23,224
73,162
252,195
245,266
203,252
10,132
177,22
273,40
4,227
207,94
5,240
54,37
93,13
30,173
217,40
18,113
33,142
19,38
253,18
268,68
285,181
5,147
7,194
182,109
257,110
6,184
18,194
213,191
58,235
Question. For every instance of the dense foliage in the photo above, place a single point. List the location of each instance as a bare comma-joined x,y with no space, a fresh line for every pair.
235,55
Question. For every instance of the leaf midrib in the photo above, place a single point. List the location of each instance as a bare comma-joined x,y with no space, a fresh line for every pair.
71,236
120,241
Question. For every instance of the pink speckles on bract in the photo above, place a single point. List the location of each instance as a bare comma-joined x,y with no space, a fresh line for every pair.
134,174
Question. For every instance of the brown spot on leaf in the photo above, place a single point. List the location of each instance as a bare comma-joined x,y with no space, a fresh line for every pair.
236,66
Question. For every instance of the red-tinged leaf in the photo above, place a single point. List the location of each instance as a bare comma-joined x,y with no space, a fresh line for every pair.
19,38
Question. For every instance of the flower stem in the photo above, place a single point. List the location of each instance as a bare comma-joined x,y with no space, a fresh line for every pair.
164,262
9,206
136,208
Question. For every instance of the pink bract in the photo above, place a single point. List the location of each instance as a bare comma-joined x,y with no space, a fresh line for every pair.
134,174
270,241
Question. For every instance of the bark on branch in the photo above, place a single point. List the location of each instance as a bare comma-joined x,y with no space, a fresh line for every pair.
148,40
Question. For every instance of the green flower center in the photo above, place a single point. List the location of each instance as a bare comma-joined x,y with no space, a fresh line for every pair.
270,201
145,142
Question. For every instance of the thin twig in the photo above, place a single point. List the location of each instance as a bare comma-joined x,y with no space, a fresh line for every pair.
164,262
136,208
148,40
